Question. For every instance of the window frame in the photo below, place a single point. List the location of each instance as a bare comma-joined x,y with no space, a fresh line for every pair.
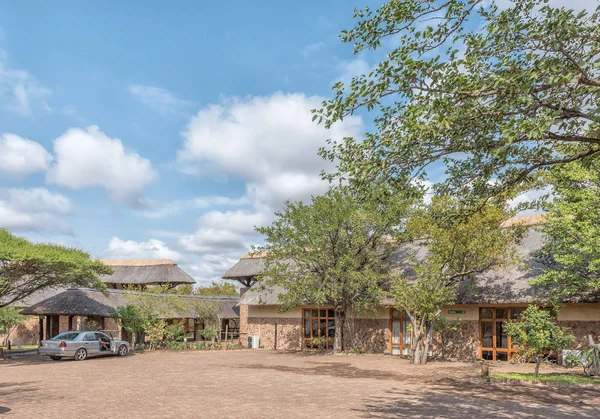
403,318
329,316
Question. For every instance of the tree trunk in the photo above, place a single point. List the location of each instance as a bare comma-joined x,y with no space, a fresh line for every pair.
538,361
340,325
420,343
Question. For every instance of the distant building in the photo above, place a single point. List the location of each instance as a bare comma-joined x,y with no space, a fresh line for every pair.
60,310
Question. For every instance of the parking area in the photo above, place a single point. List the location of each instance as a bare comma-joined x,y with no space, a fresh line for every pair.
253,384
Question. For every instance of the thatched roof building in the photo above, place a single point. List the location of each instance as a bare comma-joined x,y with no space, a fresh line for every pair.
145,272
90,302
500,286
246,269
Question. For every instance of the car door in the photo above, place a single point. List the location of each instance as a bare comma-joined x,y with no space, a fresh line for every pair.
107,348
91,344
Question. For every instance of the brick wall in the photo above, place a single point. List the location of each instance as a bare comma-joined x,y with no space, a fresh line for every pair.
243,324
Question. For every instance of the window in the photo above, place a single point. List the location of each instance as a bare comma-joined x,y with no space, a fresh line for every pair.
495,344
400,338
90,337
66,336
318,327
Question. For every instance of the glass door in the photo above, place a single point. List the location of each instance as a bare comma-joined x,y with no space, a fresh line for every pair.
495,344
400,334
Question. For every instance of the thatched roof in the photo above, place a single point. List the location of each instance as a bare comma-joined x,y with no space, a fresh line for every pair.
146,272
89,302
37,296
502,286
246,267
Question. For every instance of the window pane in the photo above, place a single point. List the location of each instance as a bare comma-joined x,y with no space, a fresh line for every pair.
405,315
487,333
501,356
323,327
395,331
330,313
306,328
405,333
315,313
395,314
487,355
331,328
315,328
487,313
306,313
395,350
501,337
323,313
515,313
405,350
502,313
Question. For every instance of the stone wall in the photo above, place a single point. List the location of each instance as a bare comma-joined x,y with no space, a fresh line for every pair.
27,333
289,332
370,335
463,344
581,330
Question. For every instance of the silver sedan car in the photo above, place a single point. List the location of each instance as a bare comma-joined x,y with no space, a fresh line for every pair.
81,344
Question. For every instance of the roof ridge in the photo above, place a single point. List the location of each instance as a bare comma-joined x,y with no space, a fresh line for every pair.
137,262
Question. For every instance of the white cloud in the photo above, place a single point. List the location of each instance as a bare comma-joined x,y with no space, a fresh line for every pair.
352,68
20,156
313,48
158,210
130,249
35,209
269,142
88,158
158,99
21,92
265,141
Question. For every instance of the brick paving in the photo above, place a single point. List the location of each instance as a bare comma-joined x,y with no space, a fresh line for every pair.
260,384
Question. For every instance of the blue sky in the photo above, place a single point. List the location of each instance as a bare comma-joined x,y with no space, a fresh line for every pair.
148,130
166,130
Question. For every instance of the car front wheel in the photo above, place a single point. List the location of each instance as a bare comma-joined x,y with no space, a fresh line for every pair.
81,354
122,350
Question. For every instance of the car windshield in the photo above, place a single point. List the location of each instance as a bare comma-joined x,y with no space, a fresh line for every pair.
66,336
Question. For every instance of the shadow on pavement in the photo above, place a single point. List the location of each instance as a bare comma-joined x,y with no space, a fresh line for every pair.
456,399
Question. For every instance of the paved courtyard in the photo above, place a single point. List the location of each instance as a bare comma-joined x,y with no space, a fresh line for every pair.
253,384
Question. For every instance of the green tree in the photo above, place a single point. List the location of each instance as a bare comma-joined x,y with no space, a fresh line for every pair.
26,268
447,252
133,321
491,94
332,252
571,252
537,334
9,319
217,289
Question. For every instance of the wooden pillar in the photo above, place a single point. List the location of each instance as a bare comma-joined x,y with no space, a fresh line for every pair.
41,330
70,322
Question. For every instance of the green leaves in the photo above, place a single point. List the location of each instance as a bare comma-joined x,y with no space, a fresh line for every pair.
523,86
332,251
27,267
536,333
571,253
